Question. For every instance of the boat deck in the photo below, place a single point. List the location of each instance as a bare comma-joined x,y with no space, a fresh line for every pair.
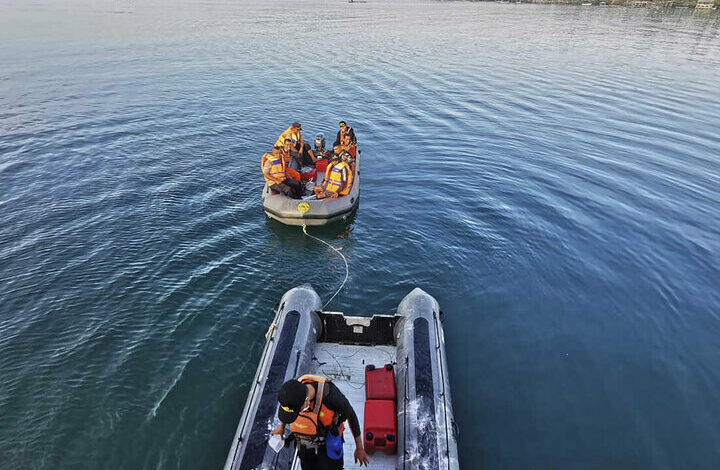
345,366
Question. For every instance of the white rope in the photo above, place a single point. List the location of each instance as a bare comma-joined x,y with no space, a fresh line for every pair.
347,269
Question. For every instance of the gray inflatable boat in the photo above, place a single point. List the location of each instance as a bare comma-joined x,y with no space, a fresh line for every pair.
302,339
309,210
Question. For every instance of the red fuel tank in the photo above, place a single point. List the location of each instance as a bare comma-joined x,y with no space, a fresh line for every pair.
309,175
379,382
380,426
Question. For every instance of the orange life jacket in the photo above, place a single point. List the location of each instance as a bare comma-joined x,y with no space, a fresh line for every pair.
289,172
343,134
336,181
289,133
309,424
277,168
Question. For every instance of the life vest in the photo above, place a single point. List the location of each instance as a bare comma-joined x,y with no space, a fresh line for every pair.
347,131
336,181
312,425
289,133
289,172
277,168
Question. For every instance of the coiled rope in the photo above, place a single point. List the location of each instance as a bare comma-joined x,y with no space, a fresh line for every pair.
347,269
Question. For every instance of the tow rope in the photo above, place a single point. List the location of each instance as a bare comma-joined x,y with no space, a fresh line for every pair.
347,269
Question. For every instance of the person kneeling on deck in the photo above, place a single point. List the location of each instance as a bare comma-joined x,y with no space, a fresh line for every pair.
338,178
316,409
274,171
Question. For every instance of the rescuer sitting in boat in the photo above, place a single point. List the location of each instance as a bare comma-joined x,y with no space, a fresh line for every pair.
276,176
338,177
291,157
344,129
316,411
307,155
349,146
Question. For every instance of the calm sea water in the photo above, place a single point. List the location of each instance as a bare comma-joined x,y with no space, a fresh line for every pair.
550,174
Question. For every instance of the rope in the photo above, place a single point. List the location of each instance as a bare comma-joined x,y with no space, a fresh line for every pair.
347,269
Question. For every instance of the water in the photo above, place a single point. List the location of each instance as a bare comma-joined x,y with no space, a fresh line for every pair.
549,173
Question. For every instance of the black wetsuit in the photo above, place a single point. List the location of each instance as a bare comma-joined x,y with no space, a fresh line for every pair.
334,400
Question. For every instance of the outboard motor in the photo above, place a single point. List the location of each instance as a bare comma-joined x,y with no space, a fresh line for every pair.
319,146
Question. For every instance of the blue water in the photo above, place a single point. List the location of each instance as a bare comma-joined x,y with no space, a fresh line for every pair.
550,173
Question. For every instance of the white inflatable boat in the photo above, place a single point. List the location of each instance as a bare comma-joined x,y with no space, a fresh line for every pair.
309,210
304,340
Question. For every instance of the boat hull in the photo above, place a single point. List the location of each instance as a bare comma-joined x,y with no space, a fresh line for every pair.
311,211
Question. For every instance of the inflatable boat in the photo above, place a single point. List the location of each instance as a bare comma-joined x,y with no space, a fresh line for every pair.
408,348
309,210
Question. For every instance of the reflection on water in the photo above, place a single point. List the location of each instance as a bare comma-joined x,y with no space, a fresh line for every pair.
549,173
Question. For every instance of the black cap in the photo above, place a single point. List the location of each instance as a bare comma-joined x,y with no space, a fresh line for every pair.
291,398
296,125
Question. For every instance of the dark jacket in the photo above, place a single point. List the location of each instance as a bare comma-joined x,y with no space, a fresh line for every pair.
352,136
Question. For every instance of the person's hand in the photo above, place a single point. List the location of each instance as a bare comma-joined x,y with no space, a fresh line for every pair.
280,430
361,457
334,196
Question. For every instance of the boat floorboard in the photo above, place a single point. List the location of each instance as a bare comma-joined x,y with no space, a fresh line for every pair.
345,366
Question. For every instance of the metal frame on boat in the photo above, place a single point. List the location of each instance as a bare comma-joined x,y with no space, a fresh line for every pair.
309,210
302,339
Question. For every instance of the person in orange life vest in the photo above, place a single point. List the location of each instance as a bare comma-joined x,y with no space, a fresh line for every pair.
275,173
348,145
338,177
301,399
344,129
293,133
